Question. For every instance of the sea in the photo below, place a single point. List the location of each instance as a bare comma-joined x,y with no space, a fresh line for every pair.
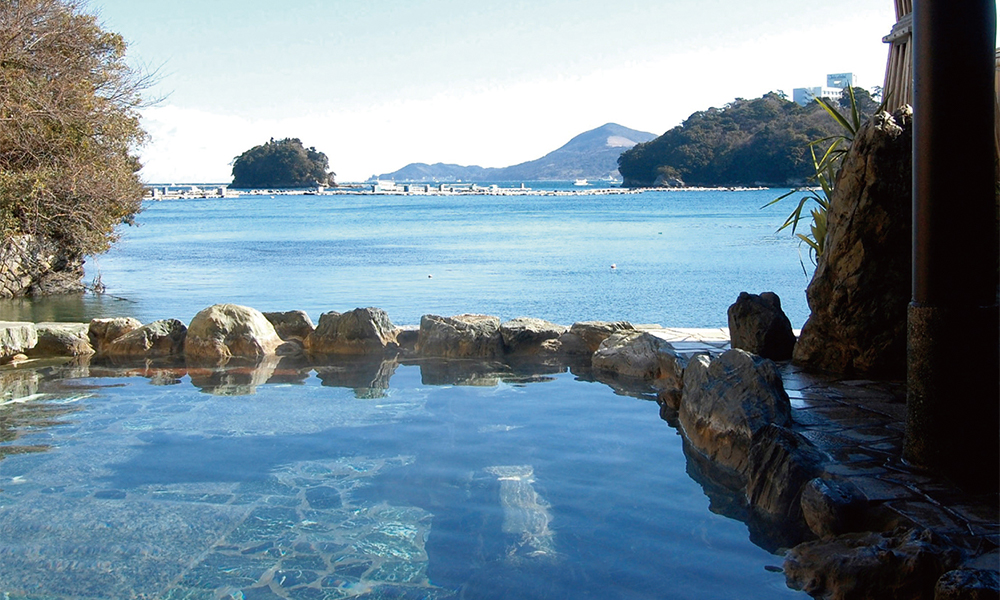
379,479
675,258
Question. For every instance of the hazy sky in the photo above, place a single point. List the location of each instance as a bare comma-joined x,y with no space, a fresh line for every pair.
377,84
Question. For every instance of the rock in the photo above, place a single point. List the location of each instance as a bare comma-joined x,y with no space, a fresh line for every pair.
462,336
726,401
968,584
291,325
406,339
157,340
223,331
860,290
758,325
362,331
781,463
832,507
644,356
33,265
592,333
104,331
900,564
525,335
62,339
16,337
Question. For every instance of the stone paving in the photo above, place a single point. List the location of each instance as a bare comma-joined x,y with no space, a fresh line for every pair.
860,424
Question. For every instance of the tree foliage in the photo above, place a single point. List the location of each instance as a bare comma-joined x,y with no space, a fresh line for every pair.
281,164
69,125
764,141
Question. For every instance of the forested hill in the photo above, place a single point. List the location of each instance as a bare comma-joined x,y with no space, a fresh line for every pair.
763,141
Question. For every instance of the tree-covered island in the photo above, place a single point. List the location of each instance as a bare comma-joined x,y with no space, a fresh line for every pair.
764,141
281,164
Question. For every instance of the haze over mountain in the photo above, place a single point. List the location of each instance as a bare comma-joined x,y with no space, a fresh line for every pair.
590,155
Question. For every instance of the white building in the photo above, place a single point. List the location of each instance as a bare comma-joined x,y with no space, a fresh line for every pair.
835,84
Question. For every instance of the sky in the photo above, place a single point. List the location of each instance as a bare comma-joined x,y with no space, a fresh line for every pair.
379,84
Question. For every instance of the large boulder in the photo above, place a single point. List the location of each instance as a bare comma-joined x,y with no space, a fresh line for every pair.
291,324
361,331
968,584
832,507
586,336
758,325
641,355
158,339
781,463
62,339
16,337
104,331
900,564
860,290
226,331
526,335
726,401
462,336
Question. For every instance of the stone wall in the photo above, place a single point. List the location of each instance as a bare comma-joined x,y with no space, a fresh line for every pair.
37,266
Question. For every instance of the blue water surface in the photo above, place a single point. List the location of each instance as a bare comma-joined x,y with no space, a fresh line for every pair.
681,257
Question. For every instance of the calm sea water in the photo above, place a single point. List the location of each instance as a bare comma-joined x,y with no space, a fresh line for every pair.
681,258
382,480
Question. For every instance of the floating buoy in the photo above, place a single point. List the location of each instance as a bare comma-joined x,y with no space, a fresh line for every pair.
430,277
613,266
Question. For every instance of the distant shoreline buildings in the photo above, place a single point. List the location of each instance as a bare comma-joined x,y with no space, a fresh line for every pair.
835,84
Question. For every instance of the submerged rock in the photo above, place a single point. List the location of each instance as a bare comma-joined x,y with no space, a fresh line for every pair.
361,331
726,401
461,336
62,339
758,325
224,331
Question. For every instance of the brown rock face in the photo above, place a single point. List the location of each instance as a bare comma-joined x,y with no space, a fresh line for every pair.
462,336
861,288
62,339
104,331
224,331
525,335
361,331
726,401
157,340
36,266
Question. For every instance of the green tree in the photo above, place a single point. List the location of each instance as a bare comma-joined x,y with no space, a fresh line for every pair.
281,164
69,126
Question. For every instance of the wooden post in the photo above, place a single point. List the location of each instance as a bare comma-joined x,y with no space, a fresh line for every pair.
953,358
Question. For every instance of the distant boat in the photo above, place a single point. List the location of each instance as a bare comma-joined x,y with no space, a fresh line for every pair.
580,182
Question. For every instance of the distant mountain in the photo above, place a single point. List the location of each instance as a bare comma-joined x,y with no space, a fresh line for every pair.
590,155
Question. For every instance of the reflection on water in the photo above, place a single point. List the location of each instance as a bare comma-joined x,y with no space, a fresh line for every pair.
285,480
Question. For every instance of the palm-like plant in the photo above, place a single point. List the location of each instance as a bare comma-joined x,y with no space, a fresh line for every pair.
824,171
